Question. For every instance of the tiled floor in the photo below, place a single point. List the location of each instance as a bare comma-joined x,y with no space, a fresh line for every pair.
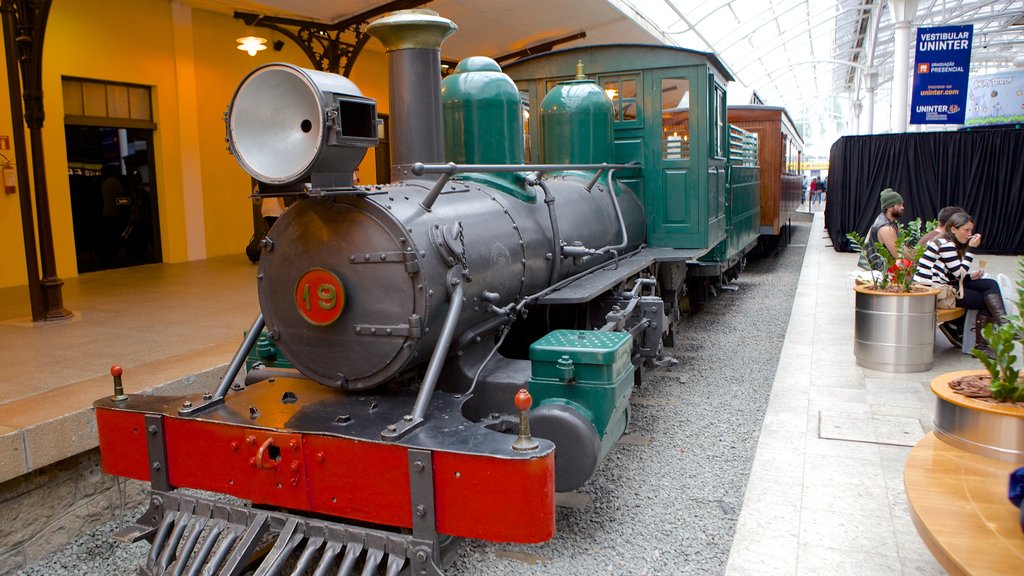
127,316
826,491
165,324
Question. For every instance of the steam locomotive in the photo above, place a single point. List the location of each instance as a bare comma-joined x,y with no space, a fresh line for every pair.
464,340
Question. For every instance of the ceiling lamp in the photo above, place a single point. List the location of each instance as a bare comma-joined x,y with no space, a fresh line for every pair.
251,44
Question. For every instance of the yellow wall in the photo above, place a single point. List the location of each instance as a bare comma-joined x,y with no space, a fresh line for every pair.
119,41
134,41
12,256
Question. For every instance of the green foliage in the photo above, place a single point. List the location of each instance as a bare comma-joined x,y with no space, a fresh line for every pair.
910,234
862,246
930,225
1005,377
1007,386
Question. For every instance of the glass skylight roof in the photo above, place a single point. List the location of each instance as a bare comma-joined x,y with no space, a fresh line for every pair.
812,56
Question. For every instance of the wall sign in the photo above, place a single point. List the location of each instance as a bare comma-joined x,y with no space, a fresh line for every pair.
996,99
942,63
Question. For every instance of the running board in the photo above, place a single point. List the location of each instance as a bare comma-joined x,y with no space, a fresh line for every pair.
192,536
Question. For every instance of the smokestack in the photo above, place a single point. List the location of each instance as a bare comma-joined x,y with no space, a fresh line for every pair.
412,43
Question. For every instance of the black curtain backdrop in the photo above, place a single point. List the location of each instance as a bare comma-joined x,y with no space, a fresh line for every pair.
982,171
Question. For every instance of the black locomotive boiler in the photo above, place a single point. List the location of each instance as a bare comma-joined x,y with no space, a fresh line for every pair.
464,340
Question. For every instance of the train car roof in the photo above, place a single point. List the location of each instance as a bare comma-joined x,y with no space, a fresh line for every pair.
785,113
655,49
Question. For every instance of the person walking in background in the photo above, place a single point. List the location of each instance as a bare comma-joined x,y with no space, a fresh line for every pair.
949,259
114,214
819,190
814,190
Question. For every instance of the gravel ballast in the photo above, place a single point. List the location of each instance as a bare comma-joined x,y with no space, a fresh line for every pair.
666,499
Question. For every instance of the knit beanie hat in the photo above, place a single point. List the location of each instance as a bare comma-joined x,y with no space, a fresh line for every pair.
890,198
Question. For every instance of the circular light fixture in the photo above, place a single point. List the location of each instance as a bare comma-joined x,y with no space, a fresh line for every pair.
251,44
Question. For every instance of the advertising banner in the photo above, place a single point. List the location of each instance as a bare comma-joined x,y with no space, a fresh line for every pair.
942,63
996,99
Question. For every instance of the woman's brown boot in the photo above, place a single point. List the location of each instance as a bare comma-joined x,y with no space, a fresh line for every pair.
980,343
994,303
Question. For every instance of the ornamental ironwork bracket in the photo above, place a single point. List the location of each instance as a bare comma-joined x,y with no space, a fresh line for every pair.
329,47
540,47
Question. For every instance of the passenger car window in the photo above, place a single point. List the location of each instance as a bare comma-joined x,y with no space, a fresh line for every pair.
622,92
675,119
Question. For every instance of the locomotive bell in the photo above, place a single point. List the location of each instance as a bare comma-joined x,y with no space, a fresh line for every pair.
289,125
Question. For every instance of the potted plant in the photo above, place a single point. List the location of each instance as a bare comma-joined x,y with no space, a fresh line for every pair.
894,321
956,476
983,411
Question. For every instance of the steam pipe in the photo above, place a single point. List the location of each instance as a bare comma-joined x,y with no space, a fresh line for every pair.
428,202
556,237
618,213
420,168
212,401
239,359
419,409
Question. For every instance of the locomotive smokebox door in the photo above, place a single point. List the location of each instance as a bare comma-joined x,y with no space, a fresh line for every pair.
338,291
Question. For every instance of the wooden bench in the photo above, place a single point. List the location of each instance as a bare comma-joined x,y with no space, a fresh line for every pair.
959,506
943,315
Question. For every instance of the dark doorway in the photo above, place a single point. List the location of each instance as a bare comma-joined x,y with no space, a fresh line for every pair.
113,197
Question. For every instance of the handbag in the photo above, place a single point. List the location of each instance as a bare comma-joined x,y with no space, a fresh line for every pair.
946,298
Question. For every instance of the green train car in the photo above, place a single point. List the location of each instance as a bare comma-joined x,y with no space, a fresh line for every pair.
699,183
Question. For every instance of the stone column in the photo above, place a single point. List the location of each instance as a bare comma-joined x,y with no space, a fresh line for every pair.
870,82
903,12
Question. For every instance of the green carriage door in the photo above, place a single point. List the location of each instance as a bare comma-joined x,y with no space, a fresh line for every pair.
673,206
628,124
718,147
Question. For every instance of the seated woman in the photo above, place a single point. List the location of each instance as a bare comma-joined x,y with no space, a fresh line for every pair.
949,259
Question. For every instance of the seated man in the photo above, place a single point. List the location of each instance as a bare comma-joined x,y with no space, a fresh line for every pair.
940,228
884,229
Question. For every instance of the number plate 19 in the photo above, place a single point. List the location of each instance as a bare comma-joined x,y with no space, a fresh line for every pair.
319,297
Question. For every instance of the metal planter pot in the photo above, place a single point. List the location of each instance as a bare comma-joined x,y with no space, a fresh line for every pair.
894,332
988,429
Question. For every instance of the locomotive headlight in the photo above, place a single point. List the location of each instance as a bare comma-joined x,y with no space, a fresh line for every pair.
288,124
